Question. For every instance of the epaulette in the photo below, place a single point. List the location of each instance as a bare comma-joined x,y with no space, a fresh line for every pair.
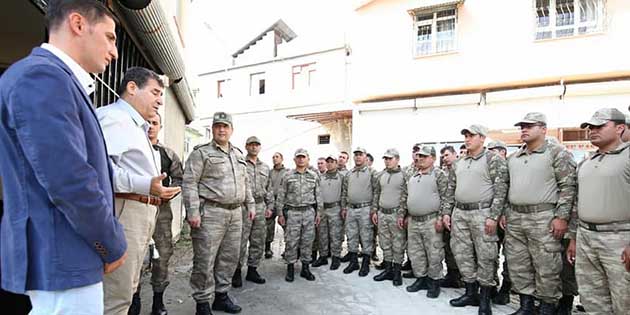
201,145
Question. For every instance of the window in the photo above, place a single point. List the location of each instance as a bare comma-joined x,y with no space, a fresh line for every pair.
257,84
303,76
434,31
221,86
323,139
564,18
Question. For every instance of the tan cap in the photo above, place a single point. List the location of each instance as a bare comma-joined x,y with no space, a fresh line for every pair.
252,139
391,153
497,144
533,118
360,149
475,130
603,116
222,118
300,152
426,150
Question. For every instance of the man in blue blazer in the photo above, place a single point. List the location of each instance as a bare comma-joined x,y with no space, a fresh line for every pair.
58,232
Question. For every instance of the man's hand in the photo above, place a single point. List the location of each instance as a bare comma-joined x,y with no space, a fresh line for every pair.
374,218
281,219
503,222
571,252
491,227
439,225
625,257
401,223
163,192
558,228
317,220
251,215
114,265
344,213
446,219
194,222
268,213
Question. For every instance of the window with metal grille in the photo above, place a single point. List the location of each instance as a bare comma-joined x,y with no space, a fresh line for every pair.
565,18
574,134
323,139
435,31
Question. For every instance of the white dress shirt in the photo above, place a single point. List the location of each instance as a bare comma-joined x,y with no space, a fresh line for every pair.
130,151
83,76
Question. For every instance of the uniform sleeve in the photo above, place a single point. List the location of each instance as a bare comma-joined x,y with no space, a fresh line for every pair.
344,191
374,177
500,180
250,202
450,191
269,200
282,191
564,171
318,197
402,212
573,220
190,183
446,196
176,171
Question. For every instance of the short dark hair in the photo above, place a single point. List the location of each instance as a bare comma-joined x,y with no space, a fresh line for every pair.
159,117
280,154
462,147
92,10
140,76
447,148
370,157
344,152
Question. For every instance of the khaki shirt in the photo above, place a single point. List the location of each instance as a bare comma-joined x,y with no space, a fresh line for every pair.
429,192
259,179
359,186
391,191
298,190
330,184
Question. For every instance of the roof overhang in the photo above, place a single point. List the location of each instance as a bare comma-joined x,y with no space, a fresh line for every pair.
430,5
323,117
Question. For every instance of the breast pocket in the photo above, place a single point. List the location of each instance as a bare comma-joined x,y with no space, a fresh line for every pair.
292,186
216,166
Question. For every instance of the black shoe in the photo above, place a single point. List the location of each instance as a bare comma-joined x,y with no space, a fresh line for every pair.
470,297
503,296
237,279
546,309
134,308
406,266
336,262
452,280
365,266
485,307
321,261
565,306
346,258
158,304
380,266
527,305
419,284
203,309
306,273
580,308
434,288
385,274
353,265
254,276
290,273
409,275
396,276
222,302
268,252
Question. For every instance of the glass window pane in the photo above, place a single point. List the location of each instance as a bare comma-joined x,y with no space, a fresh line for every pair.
565,12
445,35
423,45
542,13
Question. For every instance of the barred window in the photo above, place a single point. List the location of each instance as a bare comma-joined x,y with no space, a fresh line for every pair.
435,31
565,18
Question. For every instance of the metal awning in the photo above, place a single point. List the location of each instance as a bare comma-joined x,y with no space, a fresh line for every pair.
323,117
429,5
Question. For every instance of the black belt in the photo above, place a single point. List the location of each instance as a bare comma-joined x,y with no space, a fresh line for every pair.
473,205
228,206
259,199
360,205
389,210
300,208
533,208
622,226
426,217
328,205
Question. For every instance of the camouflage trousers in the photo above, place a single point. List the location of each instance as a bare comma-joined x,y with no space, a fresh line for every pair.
216,246
359,225
392,239
163,237
425,247
300,232
603,281
475,251
534,256
329,228
569,283
253,232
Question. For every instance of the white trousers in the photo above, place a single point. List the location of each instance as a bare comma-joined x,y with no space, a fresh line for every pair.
86,300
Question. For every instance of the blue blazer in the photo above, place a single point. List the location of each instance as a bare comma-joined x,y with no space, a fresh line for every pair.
58,227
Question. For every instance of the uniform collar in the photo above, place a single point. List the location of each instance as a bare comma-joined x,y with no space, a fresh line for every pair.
541,149
476,157
618,150
83,76
360,169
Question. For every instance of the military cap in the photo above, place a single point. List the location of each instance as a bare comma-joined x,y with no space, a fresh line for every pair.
252,139
533,118
475,130
301,152
417,145
426,150
360,149
331,157
497,144
391,153
604,115
222,118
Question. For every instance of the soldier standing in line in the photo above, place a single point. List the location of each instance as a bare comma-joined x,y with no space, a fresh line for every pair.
275,177
342,168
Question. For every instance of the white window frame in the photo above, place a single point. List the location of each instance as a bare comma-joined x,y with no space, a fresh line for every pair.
433,22
254,83
596,26
306,72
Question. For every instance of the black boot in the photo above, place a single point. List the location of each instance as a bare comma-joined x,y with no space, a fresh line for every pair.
253,276
290,273
565,306
546,309
314,255
452,279
434,288
406,266
134,308
158,304
396,279
380,266
237,279
346,257
385,274
336,262
527,305
409,275
222,302
268,252
503,296
419,284
365,266
470,297
321,261
353,265
203,309
306,273
485,305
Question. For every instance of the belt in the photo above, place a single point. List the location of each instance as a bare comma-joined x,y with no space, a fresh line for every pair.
152,200
328,205
228,206
621,226
426,217
533,208
360,205
389,210
473,206
259,199
300,208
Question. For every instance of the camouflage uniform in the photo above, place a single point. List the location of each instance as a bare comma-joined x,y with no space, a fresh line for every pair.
275,177
361,181
163,237
449,258
215,186
390,197
330,226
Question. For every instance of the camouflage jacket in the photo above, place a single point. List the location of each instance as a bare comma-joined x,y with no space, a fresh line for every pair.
390,178
216,175
260,182
298,190
171,165
356,174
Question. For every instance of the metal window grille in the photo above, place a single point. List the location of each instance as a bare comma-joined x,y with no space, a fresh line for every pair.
435,31
565,18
